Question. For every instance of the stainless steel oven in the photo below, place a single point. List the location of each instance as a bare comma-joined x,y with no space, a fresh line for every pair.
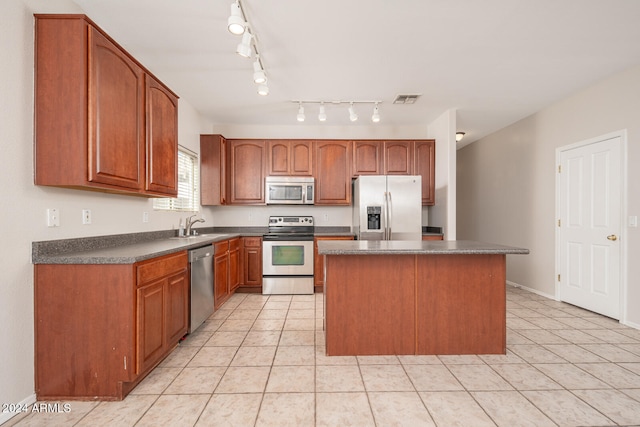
287,256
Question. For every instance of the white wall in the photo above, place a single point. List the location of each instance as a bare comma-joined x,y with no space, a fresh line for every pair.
506,181
23,213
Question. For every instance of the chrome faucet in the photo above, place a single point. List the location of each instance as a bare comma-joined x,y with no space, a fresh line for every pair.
189,224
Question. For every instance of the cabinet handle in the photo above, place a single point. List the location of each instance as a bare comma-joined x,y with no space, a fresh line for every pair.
613,237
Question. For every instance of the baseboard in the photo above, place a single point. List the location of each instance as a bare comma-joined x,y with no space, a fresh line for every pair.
631,324
535,291
25,403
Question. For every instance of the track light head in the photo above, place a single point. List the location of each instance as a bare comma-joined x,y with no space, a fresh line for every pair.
322,115
259,75
263,89
375,118
244,48
352,114
300,115
236,23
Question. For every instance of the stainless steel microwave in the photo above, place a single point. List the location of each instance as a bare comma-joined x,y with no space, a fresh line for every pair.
284,190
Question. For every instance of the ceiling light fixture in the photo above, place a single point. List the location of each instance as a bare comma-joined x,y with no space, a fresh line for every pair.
300,115
459,136
375,118
352,113
259,75
322,115
263,89
236,22
244,47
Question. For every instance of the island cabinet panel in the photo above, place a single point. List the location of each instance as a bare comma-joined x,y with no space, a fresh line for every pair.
246,165
213,170
318,260
461,303
290,158
333,173
100,329
370,305
102,122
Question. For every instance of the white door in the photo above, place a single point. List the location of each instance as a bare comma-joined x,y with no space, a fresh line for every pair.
590,200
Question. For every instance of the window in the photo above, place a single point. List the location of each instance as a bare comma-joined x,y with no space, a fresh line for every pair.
188,185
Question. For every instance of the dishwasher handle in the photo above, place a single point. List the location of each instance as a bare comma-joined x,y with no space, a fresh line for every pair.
200,253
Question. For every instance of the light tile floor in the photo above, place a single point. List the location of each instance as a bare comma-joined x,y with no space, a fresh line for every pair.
259,361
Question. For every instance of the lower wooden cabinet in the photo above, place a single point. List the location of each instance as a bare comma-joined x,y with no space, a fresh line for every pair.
101,328
252,263
226,270
432,237
318,260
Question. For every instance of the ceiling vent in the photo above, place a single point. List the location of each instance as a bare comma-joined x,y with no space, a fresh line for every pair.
406,99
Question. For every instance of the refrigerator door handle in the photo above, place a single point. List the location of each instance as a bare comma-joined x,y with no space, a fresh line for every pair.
390,214
385,215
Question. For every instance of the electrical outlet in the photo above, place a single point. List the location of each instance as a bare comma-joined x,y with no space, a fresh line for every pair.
145,216
86,216
326,217
53,218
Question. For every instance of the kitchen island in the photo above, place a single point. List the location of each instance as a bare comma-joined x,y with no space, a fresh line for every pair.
415,297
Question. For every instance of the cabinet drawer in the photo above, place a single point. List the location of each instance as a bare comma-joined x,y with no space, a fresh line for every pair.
160,267
252,242
221,247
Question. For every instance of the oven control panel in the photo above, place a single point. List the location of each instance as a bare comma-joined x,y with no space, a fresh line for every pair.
291,221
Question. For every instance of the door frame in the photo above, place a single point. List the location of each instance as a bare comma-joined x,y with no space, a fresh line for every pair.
622,134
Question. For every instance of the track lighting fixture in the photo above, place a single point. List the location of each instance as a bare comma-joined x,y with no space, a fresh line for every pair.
375,118
244,48
322,115
263,89
259,75
352,114
236,23
459,136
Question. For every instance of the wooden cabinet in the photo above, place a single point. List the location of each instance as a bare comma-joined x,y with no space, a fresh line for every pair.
333,172
226,270
290,158
98,338
425,165
318,260
432,237
213,170
246,165
398,158
102,122
367,157
252,262
382,157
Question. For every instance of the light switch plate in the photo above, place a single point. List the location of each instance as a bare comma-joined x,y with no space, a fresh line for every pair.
633,221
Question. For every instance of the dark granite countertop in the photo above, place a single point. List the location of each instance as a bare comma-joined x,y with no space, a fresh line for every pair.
402,247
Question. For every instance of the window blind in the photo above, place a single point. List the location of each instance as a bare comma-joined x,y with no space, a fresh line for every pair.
188,185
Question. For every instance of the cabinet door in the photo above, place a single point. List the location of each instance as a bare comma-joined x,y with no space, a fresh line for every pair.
177,309
301,163
278,157
398,158
234,264
252,261
116,116
367,157
333,173
162,139
213,170
150,325
221,273
246,171
424,165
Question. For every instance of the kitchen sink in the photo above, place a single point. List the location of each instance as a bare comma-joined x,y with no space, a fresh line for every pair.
197,236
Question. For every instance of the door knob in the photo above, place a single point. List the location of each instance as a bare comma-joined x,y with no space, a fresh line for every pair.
612,237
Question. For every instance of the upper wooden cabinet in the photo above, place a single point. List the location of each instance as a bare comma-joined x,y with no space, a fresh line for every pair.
382,158
246,166
213,175
102,122
290,158
333,173
424,164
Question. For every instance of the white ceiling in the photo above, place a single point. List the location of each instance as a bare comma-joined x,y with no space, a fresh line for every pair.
495,61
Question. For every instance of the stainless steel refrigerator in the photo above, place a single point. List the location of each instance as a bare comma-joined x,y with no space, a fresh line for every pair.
387,207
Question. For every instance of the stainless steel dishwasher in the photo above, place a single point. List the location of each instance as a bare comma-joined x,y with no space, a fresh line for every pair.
201,267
